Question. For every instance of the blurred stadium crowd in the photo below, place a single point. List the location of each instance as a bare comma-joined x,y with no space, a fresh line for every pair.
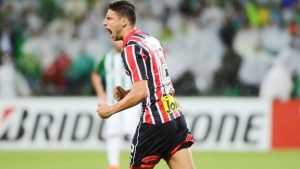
214,47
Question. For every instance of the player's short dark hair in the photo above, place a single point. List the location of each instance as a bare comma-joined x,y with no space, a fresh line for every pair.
124,9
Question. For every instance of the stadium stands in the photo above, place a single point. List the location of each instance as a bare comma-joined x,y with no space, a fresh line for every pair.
227,48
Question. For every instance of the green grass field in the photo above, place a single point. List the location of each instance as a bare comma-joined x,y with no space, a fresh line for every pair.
97,160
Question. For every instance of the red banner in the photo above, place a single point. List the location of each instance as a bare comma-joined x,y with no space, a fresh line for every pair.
286,124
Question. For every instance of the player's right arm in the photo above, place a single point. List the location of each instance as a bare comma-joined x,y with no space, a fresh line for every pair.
134,64
136,95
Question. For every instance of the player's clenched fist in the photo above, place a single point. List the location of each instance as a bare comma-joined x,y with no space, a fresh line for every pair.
119,93
104,110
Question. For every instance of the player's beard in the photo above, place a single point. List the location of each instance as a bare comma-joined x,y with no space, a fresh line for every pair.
118,35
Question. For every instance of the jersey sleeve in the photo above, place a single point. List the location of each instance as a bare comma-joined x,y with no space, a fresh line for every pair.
134,62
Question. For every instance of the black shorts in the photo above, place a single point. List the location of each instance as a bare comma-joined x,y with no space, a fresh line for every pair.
153,142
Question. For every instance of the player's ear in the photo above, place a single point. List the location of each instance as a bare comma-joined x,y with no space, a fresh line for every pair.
124,22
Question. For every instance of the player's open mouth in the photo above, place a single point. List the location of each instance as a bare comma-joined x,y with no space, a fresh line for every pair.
109,31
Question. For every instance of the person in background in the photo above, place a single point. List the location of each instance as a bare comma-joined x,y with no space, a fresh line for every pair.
12,83
278,82
162,132
7,76
107,74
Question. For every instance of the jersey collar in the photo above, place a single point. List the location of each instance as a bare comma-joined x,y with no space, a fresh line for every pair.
127,37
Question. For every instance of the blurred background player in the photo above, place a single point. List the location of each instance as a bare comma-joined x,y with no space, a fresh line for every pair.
109,71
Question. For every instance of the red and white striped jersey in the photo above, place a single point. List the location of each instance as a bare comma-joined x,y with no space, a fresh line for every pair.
144,59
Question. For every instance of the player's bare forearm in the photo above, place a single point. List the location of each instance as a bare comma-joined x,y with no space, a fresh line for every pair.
137,94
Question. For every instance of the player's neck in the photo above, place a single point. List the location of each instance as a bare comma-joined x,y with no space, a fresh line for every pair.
127,31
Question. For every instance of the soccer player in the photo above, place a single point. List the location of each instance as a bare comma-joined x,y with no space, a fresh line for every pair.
162,132
123,124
